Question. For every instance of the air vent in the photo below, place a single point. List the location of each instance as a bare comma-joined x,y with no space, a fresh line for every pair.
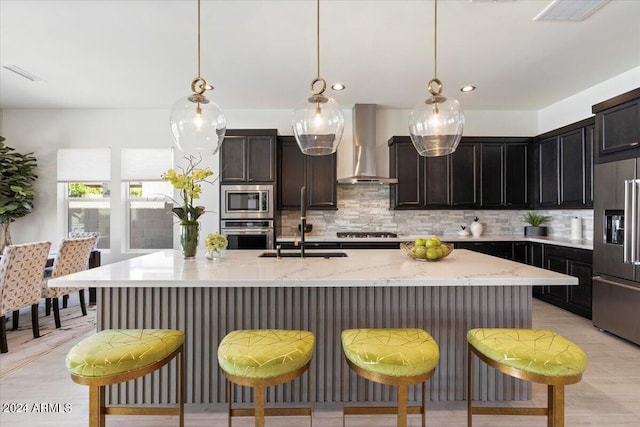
24,73
569,10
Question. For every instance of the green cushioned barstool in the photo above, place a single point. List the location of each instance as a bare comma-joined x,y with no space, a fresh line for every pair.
399,357
535,355
260,358
114,356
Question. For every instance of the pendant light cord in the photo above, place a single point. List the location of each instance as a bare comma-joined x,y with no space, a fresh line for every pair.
198,39
318,36
435,40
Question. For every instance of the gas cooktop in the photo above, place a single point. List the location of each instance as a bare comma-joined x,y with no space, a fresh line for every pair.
365,234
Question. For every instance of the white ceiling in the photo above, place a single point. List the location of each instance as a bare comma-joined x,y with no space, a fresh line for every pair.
261,54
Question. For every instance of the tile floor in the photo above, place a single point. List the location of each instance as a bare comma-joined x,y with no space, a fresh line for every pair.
33,373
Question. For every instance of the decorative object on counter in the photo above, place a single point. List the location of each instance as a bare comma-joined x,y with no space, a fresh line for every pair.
535,221
197,123
215,244
463,231
476,227
427,249
188,183
16,188
318,123
436,125
576,228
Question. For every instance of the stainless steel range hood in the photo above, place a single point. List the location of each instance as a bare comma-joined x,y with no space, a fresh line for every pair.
364,148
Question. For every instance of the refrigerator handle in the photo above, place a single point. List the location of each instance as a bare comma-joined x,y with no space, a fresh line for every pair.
626,246
635,224
631,214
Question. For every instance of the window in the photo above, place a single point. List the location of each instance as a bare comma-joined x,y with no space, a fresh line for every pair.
149,218
88,210
84,175
150,221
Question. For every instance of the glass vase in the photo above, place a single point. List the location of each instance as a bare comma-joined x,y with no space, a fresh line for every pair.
213,254
189,238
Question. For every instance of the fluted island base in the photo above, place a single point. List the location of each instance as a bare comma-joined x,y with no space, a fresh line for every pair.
206,314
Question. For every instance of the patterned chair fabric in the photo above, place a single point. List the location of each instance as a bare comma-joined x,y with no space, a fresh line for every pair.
21,271
83,234
72,257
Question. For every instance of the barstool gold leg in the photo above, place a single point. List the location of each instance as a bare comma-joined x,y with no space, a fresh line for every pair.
229,400
469,386
96,406
424,404
402,406
181,385
259,403
555,398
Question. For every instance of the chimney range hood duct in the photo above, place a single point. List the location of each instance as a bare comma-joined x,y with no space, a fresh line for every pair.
364,148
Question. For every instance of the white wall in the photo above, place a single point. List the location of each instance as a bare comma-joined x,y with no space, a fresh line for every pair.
578,106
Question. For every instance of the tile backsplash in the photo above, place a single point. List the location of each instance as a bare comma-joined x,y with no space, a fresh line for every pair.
366,208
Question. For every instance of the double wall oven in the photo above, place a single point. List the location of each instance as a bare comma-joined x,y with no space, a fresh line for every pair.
247,215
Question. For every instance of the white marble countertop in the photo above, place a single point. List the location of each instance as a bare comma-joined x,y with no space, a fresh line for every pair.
243,268
451,238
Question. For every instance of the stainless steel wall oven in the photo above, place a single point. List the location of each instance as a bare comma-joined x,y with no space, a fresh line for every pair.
248,234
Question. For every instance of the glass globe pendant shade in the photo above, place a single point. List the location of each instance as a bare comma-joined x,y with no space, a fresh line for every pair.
318,125
198,125
436,126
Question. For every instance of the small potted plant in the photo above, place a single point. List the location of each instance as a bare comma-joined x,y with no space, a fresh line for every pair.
535,221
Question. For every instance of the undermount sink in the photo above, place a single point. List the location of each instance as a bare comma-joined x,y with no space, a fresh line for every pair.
307,254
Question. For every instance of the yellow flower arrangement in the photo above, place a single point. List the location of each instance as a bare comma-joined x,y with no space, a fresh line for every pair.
215,242
188,182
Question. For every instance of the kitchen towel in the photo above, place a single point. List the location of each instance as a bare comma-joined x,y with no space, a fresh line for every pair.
576,228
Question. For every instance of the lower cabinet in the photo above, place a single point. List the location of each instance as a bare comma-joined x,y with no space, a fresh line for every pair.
574,262
571,261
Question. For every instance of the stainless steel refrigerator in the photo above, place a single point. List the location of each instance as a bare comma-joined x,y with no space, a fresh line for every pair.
616,245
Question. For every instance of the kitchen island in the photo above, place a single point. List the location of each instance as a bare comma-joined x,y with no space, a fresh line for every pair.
382,288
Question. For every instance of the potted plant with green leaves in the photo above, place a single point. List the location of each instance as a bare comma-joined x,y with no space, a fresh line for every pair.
535,221
17,192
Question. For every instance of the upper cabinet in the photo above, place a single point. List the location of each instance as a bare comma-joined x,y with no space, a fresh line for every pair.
617,127
248,156
482,173
317,173
564,167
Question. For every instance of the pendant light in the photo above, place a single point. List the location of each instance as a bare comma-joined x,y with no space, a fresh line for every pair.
436,125
197,123
318,123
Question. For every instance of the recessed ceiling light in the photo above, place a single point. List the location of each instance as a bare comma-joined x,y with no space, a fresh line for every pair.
467,88
338,86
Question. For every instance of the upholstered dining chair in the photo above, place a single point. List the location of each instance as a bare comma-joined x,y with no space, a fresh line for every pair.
72,256
73,235
21,271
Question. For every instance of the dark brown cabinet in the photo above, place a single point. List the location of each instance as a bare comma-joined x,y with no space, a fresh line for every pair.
464,176
248,156
618,127
574,262
564,167
482,173
317,173
504,180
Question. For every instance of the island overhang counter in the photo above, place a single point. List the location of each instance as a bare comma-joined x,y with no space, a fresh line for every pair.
367,289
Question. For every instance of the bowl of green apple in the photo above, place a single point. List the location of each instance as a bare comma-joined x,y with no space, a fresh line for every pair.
427,249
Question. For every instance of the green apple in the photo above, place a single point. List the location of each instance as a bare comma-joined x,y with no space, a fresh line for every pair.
421,252
433,242
419,242
433,253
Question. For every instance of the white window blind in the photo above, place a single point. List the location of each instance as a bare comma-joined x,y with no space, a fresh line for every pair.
84,165
145,164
